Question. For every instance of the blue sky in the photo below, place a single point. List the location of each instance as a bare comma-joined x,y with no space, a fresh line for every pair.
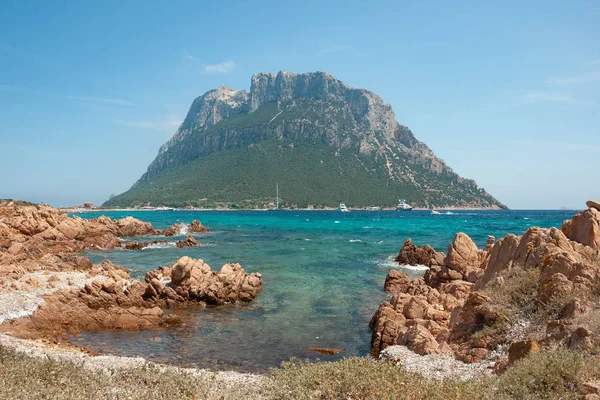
506,93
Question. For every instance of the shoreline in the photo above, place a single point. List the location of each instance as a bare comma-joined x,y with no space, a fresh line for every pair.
65,351
85,210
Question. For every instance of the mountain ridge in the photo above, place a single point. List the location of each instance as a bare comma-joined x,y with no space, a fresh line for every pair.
304,109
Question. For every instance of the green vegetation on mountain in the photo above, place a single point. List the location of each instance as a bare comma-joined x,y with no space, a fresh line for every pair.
321,141
247,177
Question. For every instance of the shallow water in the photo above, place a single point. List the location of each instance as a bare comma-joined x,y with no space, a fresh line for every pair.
323,275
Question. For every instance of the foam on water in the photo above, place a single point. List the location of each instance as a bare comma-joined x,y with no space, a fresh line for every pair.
160,246
184,230
418,267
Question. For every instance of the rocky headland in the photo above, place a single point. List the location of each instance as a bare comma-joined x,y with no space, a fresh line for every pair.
47,288
516,296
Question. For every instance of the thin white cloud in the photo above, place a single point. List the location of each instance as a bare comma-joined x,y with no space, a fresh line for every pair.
96,100
559,145
189,60
187,56
551,97
581,78
8,88
167,124
105,101
342,49
225,67
334,49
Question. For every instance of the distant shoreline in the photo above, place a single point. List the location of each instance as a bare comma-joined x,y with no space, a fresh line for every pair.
83,210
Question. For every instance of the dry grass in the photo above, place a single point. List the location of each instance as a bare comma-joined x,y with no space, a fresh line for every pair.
24,377
545,375
363,378
517,294
517,290
558,374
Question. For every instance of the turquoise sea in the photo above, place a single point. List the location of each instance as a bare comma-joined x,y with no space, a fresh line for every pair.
323,275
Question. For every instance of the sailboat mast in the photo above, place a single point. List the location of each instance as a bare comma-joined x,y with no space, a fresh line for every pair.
277,189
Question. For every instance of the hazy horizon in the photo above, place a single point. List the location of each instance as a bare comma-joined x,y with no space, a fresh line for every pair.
507,95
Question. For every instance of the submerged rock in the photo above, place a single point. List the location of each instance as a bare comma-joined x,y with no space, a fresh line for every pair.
178,229
324,350
142,245
412,255
197,227
188,242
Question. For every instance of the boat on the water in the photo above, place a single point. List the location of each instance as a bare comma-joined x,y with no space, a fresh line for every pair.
273,207
375,208
403,206
434,212
342,207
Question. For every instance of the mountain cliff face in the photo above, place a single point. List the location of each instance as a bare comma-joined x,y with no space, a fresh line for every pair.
321,140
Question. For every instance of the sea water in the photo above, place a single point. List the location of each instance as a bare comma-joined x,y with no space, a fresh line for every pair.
323,275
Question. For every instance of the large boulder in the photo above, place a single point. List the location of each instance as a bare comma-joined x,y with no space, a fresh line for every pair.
584,228
193,281
412,255
463,256
396,282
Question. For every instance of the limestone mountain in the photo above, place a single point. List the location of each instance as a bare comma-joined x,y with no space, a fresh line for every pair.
322,141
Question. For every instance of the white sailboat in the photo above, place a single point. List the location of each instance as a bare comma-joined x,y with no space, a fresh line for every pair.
273,207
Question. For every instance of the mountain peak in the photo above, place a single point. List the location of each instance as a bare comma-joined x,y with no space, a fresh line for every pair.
289,116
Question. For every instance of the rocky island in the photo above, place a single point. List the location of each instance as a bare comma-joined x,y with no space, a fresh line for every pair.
322,141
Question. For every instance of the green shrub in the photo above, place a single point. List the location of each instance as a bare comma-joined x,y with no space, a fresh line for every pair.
557,374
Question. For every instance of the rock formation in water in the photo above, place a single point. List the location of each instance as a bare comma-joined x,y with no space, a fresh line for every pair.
65,292
514,296
321,140
192,281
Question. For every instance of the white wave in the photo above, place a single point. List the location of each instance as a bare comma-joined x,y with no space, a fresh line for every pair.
525,218
390,263
336,222
417,267
367,227
355,241
184,230
161,245
448,213
308,240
